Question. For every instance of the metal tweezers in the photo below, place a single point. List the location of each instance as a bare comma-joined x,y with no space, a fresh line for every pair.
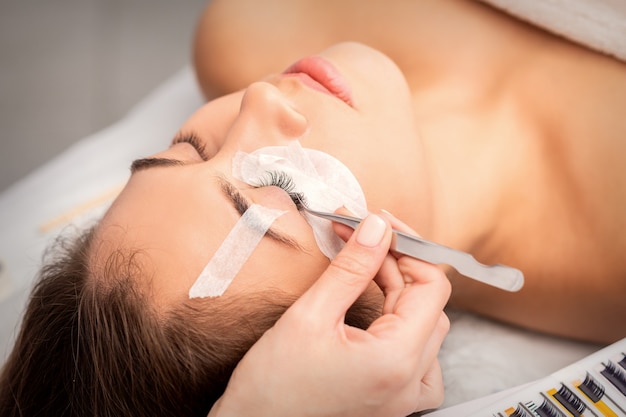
500,276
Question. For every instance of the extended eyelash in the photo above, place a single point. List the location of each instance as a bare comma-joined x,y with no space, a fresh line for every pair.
285,182
193,140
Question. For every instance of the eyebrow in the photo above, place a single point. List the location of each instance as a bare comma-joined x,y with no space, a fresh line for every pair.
238,200
241,204
147,163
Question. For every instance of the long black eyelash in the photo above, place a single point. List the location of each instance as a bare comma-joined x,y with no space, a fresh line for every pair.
570,401
592,388
283,180
546,409
194,140
520,412
615,375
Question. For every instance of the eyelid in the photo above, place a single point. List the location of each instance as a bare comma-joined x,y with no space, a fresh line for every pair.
241,204
194,140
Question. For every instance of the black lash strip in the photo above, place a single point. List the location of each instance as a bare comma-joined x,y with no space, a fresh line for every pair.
570,401
547,409
615,375
592,388
520,412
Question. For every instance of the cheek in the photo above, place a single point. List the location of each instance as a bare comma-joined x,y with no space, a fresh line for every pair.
272,267
299,273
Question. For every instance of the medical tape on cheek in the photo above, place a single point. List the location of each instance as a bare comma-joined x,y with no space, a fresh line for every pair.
234,251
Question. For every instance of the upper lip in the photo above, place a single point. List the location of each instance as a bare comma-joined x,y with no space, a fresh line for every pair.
324,73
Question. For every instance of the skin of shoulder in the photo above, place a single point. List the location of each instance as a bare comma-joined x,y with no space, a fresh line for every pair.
523,130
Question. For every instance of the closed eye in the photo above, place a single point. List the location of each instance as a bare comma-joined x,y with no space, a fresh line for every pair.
194,140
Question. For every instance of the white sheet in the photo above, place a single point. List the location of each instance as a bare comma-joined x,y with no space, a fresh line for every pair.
596,24
79,182
479,357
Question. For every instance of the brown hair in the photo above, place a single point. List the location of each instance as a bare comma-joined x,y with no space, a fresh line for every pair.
102,350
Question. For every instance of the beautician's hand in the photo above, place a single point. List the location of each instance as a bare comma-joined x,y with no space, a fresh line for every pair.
312,364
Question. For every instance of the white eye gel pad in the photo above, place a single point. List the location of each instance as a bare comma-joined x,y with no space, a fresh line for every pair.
234,251
326,183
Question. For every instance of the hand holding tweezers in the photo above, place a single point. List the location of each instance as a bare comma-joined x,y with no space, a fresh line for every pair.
500,276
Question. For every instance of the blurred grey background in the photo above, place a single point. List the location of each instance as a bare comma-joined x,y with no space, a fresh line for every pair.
69,68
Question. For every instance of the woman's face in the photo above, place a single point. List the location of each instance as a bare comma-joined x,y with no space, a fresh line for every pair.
180,204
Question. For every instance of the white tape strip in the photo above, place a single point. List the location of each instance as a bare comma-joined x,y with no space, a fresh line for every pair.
234,251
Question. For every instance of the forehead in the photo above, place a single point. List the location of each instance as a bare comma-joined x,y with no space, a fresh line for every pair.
172,221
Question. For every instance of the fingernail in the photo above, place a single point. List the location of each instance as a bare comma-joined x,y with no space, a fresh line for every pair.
371,231
386,212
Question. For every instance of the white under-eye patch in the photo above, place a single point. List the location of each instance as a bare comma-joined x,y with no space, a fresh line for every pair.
234,251
326,183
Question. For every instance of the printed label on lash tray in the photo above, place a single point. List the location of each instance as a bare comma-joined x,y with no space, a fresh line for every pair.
326,183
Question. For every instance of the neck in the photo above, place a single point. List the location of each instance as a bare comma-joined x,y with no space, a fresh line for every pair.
472,171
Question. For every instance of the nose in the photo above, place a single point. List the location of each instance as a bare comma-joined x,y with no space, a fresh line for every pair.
267,117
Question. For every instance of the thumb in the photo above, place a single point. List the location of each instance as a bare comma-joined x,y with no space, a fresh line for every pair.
349,273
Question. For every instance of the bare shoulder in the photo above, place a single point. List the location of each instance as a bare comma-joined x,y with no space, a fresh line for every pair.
566,217
577,99
553,112
239,41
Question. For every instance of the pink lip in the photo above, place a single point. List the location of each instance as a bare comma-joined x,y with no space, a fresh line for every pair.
319,74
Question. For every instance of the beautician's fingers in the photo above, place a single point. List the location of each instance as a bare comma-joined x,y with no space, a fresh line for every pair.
398,224
345,232
430,350
390,279
419,304
391,289
416,293
431,390
424,385
391,282
349,273
398,271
